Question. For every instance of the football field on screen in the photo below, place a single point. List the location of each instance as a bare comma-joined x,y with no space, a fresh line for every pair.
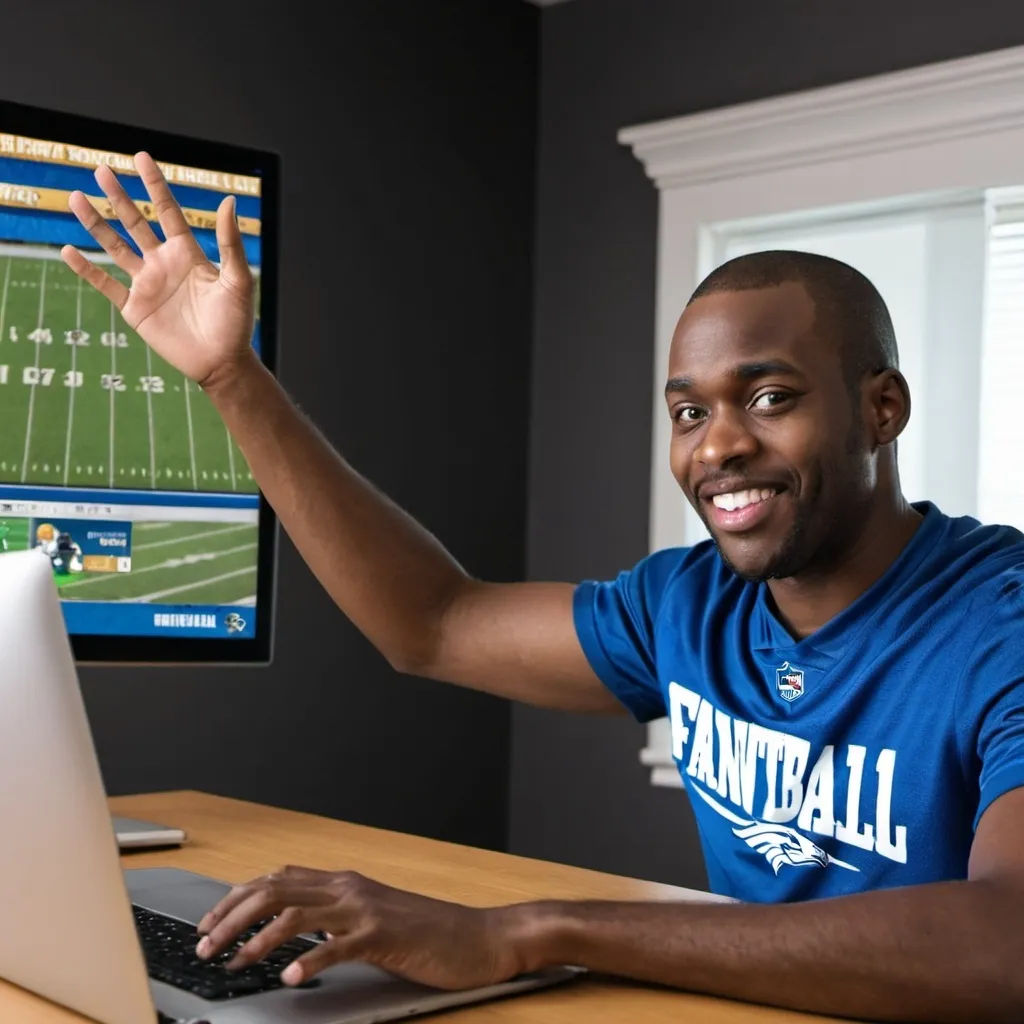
172,563
84,402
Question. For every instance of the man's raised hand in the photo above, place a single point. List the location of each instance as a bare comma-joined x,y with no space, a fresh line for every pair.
195,316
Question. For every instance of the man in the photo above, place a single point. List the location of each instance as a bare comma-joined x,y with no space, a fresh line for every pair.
843,671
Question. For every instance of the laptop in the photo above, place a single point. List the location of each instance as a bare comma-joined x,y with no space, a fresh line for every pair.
118,946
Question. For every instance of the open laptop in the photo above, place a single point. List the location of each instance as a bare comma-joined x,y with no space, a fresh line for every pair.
118,945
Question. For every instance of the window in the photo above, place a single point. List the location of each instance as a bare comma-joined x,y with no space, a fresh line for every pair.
1000,477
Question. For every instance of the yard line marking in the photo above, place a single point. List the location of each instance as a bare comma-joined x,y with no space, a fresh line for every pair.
35,382
113,375
191,439
71,391
149,413
248,601
187,586
3,299
231,460
193,536
171,563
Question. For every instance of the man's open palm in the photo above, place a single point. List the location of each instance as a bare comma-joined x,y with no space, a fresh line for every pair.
196,317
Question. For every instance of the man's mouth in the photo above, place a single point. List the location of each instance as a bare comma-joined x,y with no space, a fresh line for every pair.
736,511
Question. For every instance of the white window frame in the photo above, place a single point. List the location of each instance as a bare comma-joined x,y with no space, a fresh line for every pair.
942,129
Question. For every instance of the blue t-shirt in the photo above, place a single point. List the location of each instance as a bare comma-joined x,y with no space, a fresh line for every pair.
858,758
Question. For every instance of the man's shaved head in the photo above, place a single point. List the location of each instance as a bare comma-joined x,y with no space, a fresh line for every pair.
847,305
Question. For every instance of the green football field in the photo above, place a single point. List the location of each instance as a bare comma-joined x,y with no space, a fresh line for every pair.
172,563
85,402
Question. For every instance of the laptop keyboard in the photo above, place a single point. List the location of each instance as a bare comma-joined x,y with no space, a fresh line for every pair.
169,947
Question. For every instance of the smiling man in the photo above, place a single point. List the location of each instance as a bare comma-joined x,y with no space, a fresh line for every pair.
843,671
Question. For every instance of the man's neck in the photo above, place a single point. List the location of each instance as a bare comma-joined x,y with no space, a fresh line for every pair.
806,602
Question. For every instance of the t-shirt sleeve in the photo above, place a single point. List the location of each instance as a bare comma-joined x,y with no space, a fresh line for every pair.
991,702
615,622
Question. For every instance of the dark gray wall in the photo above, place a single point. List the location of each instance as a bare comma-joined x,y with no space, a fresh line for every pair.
407,133
578,792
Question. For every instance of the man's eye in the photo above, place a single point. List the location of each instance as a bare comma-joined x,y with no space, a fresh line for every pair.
770,399
689,414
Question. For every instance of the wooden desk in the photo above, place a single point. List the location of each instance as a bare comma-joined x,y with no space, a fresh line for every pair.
235,841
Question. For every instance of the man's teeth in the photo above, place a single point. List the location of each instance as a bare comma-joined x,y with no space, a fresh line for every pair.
741,499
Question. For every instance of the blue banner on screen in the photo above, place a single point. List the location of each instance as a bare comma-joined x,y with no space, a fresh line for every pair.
191,620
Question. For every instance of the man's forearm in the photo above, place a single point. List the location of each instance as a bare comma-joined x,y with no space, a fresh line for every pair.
386,572
950,951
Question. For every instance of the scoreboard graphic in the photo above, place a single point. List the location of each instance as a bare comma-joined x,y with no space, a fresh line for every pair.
75,546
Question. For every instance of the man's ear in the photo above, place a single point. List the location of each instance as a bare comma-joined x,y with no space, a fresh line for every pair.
888,400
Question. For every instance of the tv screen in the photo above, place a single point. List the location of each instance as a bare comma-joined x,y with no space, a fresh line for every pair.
112,462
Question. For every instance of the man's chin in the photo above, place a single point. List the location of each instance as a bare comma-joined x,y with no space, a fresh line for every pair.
754,563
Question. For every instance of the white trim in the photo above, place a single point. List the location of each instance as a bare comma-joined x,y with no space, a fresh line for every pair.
943,132
937,103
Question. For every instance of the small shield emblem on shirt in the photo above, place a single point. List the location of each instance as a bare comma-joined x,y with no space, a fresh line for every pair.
789,681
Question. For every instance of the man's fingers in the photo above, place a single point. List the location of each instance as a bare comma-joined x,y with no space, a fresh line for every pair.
111,242
300,916
234,268
116,292
127,212
258,905
172,220
238,894
290,877
338,949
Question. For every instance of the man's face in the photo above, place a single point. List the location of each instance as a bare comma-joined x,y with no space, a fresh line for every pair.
767,443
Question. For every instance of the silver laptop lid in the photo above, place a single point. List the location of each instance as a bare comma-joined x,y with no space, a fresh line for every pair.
66,930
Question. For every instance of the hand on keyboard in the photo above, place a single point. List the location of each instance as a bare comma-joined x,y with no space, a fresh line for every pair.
430,941
169,948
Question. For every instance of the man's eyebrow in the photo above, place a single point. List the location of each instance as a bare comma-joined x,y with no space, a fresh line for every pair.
743,372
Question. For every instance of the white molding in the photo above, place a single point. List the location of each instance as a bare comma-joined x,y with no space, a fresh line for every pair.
921,106
946,130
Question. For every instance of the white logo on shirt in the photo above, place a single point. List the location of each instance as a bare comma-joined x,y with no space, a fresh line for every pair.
734,759
779,843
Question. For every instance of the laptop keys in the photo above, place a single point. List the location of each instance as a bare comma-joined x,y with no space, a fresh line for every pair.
169,948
